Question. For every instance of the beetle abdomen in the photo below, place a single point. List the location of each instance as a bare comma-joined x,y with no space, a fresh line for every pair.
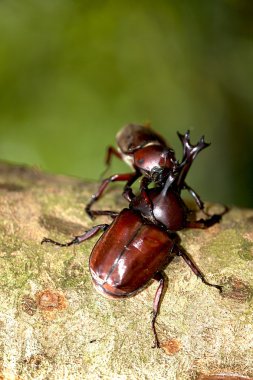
133,136
128,255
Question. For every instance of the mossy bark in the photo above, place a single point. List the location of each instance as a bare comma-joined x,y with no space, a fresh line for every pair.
54,325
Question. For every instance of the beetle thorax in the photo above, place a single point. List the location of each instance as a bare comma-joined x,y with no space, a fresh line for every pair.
154,156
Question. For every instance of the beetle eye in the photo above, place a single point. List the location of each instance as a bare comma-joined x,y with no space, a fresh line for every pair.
141,161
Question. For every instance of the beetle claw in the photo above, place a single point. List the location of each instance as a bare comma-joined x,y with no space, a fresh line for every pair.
44,240
156,344
89,212
219,287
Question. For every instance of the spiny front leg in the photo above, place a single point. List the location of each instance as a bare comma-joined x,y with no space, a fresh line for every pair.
78,239
128,177
194,268
206,223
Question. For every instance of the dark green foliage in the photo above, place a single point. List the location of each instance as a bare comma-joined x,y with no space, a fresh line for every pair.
73,72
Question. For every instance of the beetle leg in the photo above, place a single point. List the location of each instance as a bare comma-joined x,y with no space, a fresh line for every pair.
111,151
160,276
204,223
196,198
194,268
143,202
146,198
144,183
201,206
78,239
110,213
128,192
129,177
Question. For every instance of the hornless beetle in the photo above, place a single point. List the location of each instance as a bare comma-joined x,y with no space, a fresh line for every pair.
141,240
149,156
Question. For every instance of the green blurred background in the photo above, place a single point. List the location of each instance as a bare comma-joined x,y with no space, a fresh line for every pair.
72,72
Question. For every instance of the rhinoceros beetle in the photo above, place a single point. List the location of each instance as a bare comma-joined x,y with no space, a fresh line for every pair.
150,157
135,248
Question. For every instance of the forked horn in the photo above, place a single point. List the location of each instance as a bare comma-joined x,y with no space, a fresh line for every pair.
191,151
189,154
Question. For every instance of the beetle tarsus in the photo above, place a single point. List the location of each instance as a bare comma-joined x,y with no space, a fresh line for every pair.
219,287
204,223
194,268
89,212
47,240
128,193
78,239
94,213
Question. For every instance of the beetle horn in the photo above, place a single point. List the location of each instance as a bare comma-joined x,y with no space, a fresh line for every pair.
191,151
169,181
189,154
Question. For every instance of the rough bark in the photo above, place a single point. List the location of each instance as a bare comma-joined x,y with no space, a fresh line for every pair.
54,325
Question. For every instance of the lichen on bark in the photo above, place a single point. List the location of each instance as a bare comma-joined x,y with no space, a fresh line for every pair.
53,324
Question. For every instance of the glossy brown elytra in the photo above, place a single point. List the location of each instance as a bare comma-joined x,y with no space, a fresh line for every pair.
129,254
